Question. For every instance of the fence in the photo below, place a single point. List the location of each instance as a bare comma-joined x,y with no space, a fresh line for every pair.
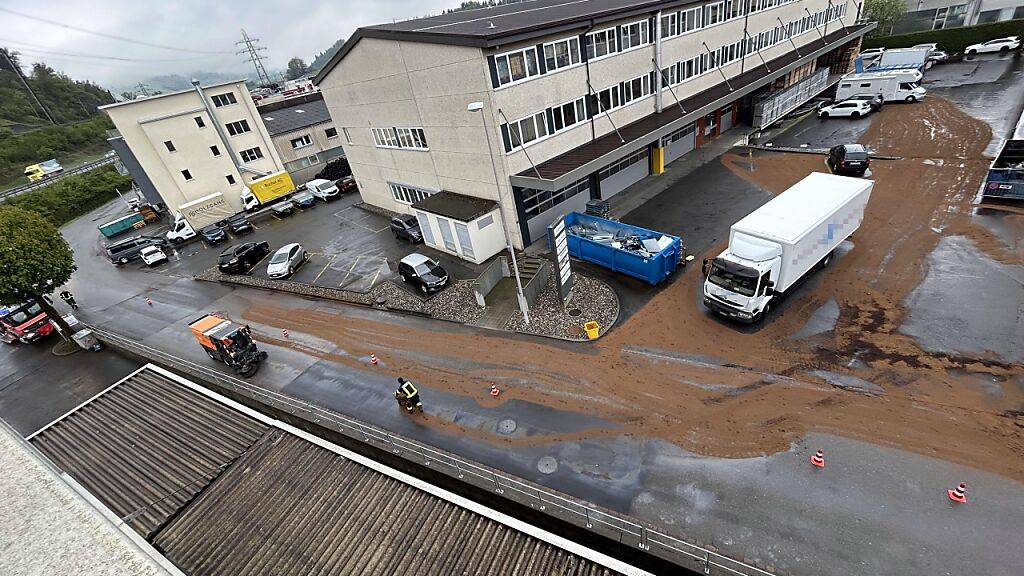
778,104
580,514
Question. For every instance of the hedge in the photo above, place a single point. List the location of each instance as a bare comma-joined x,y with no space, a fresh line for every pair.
951,40
63,201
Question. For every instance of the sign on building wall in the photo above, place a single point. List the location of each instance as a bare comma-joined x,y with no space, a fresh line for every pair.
270,187
560,248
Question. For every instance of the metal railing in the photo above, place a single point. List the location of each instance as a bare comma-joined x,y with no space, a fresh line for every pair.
777,105
9,193
561,507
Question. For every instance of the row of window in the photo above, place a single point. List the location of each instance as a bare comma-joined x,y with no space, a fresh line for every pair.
188,177
224,99
537,201
413,138
409,194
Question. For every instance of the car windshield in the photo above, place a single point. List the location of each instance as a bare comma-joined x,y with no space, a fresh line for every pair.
24,315
424,268
744,284
324,187
279,257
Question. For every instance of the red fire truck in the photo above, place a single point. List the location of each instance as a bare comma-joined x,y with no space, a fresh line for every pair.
24,323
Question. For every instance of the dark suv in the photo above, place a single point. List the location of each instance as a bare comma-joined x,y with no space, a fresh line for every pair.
406,227
213,235
125,251
422,272
239,224
241,258
848,159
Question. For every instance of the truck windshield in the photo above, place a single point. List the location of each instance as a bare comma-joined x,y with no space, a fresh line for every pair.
739,281
24,315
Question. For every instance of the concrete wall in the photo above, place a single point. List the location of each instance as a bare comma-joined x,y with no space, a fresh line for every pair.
147,123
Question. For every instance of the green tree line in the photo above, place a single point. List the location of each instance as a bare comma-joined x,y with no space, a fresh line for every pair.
67,100
63,201
20,150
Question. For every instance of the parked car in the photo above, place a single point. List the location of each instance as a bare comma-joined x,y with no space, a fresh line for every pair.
282,209
875,100
238,224
422,272
847,108
346,184
243,257
406,227
213,235
997,45
286,261
323,189
125,251
848,160
304,200
929,45
152,255
937,56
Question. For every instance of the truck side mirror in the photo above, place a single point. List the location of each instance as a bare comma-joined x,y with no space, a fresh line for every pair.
704,268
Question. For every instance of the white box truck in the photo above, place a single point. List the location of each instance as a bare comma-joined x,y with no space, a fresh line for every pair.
890,86
779,243
193,216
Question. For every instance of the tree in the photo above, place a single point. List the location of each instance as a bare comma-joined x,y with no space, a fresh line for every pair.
885,12
34,260
297,68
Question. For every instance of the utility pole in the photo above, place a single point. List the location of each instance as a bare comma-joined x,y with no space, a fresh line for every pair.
24,82
251,49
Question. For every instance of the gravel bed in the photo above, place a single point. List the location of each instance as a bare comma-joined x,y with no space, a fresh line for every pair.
397,298
213,275
456,303
593,298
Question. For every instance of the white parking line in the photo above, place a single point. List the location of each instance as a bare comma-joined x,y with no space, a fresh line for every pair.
324,269
347,274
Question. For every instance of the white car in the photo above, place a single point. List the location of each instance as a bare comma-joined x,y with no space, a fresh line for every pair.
930,46
286,261
323,189
871,53
848,108
152,255
997,45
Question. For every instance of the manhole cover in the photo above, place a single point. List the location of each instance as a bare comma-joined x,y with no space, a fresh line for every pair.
547,465
575,312
507,426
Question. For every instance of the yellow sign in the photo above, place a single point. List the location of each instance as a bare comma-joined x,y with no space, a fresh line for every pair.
270,187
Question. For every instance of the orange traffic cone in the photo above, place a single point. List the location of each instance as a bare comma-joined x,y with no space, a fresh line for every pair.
495,391
284,332
958,494
373,360
818,459
149,301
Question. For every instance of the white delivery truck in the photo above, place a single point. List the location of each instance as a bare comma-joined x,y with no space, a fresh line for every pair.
193,216
779,243
890,86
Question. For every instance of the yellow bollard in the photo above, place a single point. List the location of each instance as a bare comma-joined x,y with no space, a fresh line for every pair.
593,329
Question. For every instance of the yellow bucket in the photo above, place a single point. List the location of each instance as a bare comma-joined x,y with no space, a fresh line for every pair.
593,329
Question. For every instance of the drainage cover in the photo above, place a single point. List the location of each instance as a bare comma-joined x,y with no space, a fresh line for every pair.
507,426
547,465
575,312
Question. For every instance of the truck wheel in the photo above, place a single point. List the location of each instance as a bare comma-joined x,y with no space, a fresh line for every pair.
911,99
764,313
210,354
826,260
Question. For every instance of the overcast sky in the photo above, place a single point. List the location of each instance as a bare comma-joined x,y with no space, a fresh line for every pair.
286,28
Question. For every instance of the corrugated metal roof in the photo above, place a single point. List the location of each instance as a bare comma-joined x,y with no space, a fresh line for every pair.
146,447
289,507
296,117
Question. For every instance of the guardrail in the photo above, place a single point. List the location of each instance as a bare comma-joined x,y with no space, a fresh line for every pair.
598,521
55,178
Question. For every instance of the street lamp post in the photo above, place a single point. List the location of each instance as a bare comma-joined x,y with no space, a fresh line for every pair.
524,306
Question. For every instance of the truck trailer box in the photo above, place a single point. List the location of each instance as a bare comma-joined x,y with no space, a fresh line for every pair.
206,210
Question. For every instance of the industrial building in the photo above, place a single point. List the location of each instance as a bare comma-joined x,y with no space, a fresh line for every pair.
541,106
193,144
303,134
939,14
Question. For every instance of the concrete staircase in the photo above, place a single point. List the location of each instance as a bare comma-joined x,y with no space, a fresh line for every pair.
529,267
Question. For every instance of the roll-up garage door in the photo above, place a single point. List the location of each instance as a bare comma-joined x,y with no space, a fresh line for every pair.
679,143
726,118
624,173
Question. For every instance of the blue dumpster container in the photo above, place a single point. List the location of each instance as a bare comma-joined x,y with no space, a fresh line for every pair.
593,239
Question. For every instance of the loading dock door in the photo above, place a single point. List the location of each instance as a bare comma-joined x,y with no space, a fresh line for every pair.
624,173
726,118
679,143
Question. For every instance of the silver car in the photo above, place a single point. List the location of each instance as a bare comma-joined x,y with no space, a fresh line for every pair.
286,261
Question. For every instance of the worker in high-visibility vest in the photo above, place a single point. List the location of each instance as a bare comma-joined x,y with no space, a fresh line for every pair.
408,396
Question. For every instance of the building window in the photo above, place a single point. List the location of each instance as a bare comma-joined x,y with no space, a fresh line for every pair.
714,13
331,133
230,178
516,66
562,54
186,175
170,146
537,201
348,136
224,99
622,94
601,44
239,127
411,138
199,122
522,132
568,114
215,150
251,154
634,35
424,222
485,222
301,142
409,194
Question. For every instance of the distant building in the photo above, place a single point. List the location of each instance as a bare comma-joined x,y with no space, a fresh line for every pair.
939,14
303,133
188,145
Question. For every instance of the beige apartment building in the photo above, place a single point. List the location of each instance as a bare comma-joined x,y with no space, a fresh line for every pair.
580,100
189,145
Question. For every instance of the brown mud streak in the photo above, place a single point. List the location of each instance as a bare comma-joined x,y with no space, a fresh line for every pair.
924,405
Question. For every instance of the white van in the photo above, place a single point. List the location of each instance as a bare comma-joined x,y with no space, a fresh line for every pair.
890,87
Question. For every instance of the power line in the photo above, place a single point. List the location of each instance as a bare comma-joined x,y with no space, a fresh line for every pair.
106,35
37,51
252,50
24,82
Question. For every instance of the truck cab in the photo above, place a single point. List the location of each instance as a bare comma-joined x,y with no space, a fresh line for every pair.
36,172
249,200
740,281
181,230
24,323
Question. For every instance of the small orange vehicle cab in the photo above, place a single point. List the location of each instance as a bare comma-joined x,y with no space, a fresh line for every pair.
211,328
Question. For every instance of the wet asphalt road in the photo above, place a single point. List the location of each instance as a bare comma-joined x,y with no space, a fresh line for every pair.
873,510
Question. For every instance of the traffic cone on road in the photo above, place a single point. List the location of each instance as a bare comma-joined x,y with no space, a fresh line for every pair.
818,459
284,332
149,301
495,391
373,360
958,494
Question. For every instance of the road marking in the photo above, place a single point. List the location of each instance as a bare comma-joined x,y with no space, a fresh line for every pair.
374,281
324,269
347,274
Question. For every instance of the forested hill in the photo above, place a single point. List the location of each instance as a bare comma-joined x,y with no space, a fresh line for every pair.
68,100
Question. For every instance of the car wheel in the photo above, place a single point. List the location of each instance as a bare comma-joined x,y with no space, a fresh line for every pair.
972,52
291,270
423,288
123,260
911,99
823,115
404,277
855,115
1004,49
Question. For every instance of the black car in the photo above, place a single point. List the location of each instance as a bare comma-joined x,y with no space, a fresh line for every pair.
406,227
875,100
241,258
422,272
304,200
213,235
125,251
239,224
282,209
848,159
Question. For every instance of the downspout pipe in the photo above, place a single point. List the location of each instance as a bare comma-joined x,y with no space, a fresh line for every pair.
220,133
